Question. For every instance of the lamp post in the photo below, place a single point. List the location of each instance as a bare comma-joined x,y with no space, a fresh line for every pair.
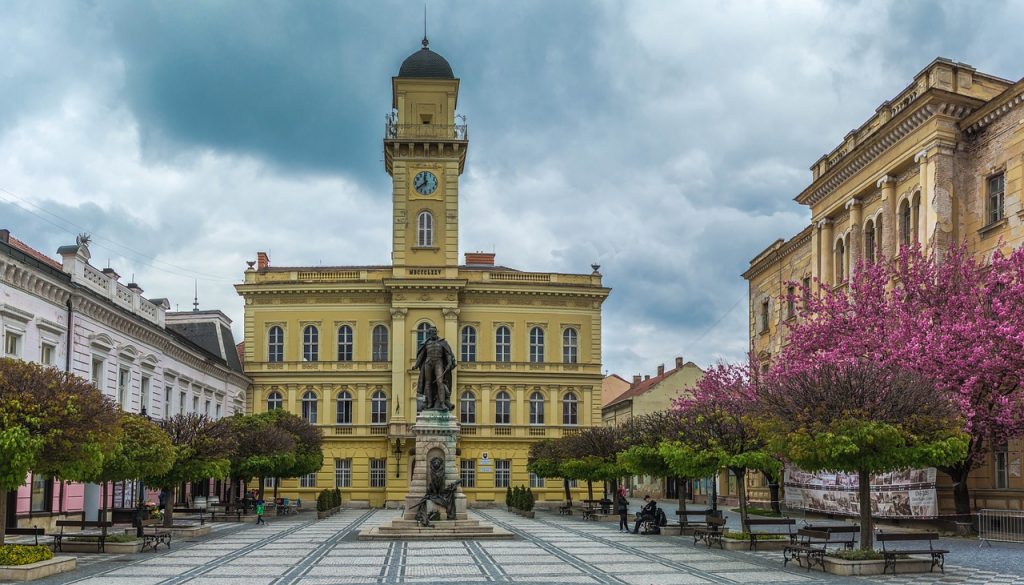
398,457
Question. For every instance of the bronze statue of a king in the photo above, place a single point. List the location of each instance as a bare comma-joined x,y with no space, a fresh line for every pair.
435,362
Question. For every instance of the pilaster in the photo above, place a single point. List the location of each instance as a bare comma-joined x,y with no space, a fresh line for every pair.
826,252
888,186
399,361
856,251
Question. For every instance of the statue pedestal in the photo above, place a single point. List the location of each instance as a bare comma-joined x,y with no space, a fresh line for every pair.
436,436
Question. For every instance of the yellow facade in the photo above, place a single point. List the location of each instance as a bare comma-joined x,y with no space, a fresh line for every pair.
927,168
536,335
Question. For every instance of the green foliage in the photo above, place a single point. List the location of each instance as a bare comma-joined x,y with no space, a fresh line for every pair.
732,535
528,503
328,499
142,450
201,449
857,555
686,461
307,453
591,468
508,497
643,460
19,554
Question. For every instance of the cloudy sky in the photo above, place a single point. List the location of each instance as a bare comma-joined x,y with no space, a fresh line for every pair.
662,140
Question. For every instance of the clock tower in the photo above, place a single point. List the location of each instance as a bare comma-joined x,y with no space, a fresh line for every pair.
425,153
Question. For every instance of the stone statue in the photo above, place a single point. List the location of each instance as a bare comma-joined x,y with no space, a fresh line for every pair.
437,494
435,360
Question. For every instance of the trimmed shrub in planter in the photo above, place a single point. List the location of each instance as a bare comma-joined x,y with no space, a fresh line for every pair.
19,554
328,502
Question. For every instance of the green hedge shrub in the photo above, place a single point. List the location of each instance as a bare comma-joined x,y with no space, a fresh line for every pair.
328,499
21,554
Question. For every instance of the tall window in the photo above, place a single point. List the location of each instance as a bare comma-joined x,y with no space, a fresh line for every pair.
378,408
570,346
167,402
144,394
503,344
425,229
421,333
807,290
570,410
124,378
467,472
764,316
536,481
536,345
307,481
344,408
790,302
274,401
310,344
840,261
502,472
1001,459
41,493
536,408
309,407
342,473
468,344
467,408
380,343
275,344
502,409
869,241
344,343
994,201
12,344
97,372
378,473
905,223
46,354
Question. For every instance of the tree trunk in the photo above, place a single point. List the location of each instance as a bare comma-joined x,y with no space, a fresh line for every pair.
961,494
3,514
169,507
103,508
741,486
568,492
263,482
681,485
590,490
867,534
714,493
773,493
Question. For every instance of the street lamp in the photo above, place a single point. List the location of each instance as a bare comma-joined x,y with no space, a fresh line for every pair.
398,457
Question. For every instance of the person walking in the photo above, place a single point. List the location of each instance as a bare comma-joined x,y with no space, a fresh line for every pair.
622,506
259,512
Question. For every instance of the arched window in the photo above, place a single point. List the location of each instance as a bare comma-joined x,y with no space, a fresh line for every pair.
310,344
344,343
425,229
570,346
502,409
536,408
503,344
344,408
467,408
275,344
421,333
869,241
274,400
840,260
309,407
915,216
570,410
905,223
378,408
536,345
468,344
380,343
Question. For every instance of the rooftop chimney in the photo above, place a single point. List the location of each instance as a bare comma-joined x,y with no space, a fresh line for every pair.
111,273
661,369
636,379
134,288
679,362
479,259
5,236
262,260
647,377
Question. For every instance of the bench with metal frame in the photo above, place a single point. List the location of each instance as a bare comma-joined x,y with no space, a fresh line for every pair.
156,536
82,534
811,545
840,534
565,509
711,533
685,522
201,512
36,532
938,556
789,523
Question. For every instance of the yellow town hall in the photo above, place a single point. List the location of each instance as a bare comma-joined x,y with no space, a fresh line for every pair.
336,345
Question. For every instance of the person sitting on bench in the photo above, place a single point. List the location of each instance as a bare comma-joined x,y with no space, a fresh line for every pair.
647,514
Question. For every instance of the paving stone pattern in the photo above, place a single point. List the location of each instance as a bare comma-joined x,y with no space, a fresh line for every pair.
549,549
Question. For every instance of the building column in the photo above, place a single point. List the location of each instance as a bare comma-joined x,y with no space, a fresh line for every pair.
815,260
398,361
923,211
856,251
938,212
888,235
827,250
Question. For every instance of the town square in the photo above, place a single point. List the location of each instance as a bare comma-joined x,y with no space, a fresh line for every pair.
726,292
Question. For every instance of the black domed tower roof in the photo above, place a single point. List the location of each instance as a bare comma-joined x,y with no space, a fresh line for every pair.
426,64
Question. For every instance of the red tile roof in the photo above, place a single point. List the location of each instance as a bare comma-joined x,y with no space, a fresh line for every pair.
240,349
16,243
643,386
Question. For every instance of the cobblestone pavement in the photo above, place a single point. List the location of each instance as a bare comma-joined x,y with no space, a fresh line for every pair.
549,549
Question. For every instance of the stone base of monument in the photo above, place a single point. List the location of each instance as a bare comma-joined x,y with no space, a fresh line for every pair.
469,529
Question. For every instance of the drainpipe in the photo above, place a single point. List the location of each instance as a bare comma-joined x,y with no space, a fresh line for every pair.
67,357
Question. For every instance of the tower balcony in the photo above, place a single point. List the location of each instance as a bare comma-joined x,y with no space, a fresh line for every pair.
396,131
425,140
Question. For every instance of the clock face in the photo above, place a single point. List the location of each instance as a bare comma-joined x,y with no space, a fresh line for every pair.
424,182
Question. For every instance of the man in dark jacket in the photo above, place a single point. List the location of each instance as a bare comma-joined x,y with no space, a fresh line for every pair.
647,513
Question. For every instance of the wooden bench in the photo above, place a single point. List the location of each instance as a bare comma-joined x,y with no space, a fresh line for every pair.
36,532
839,534
238,512
590,512
711,532
565,509
811,545
685,522
201,512
789,523
82,534
153,535
938,556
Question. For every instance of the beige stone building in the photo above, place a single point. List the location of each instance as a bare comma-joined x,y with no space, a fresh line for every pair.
611,387
940,162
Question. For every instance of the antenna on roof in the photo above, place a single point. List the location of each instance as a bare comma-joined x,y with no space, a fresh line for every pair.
425,41
195,299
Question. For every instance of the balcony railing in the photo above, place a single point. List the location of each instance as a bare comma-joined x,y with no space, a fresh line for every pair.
395,131
514,431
